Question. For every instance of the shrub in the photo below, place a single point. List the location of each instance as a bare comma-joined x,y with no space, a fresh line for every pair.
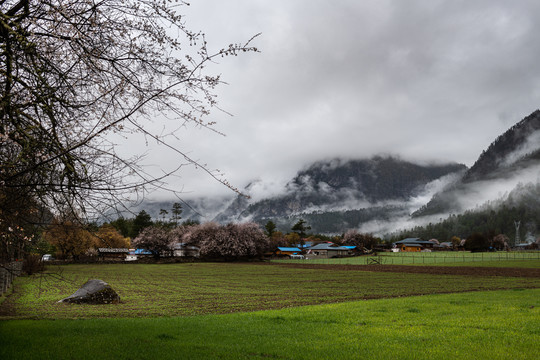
361,241
32,264
477,242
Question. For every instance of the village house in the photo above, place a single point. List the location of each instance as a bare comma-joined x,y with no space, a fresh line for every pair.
352,249
131,255
184,250
113,253
328,250
409,247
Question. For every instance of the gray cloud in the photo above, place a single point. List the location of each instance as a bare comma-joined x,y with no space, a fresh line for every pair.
428,80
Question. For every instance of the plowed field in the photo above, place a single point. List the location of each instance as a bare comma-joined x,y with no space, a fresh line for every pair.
435,270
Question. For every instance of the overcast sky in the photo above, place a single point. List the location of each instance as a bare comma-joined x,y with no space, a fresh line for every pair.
426,80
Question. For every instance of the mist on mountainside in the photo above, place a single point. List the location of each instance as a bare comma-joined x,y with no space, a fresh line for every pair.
385,193
513,158
337,195
521,206
333,195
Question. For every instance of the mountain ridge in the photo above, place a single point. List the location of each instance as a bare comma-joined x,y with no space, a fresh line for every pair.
338,185
500,151
510,154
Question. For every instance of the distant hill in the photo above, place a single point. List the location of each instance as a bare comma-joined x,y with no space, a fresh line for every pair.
516,148
508,160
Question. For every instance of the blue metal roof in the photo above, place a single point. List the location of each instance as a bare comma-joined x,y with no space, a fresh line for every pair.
326,246
408,240
413,241
142,252
288,249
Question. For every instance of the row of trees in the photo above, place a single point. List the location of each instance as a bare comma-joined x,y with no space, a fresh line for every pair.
490,221
239,241
227,242
131,227
68,239
480,242
299,235
483,242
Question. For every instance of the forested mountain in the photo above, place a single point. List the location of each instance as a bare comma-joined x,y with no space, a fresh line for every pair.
336,195
492,218
516,148
338,222
513,158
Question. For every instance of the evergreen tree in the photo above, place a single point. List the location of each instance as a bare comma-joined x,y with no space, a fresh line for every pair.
300,228
163,213
270,228
141,221
176,211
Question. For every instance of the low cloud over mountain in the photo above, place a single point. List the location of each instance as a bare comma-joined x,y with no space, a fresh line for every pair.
347,192
386,193
512,159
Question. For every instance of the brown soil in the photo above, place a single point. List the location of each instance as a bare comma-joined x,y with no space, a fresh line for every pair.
437,270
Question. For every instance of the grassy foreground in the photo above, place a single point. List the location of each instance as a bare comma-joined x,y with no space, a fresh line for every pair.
154,290
477,325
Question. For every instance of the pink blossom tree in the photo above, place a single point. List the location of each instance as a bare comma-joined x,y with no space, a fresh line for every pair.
154,239
230,242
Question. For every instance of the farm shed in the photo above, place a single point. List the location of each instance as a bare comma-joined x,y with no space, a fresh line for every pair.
288,251
410,247
329,250
113,253
306,245
181,250
414,242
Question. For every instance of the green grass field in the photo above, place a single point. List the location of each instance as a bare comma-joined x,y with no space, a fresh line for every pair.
440,258
478,325
209,311
150,290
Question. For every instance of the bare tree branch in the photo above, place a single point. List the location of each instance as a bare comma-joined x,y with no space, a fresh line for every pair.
75,72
